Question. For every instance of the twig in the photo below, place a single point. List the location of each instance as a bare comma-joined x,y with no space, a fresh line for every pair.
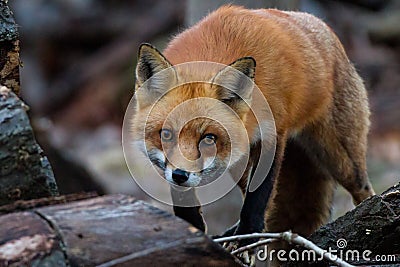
254,245
248,236
301,241
287,236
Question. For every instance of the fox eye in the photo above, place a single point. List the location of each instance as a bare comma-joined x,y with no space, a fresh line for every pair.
166,135
209,139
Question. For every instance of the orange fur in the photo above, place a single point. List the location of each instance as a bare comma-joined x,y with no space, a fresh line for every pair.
290,71
318,101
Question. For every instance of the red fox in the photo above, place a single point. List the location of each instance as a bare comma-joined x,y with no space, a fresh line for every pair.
318,101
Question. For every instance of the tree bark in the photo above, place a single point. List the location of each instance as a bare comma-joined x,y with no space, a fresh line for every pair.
374,226
23,205
114,230
9,49
25,173
118,230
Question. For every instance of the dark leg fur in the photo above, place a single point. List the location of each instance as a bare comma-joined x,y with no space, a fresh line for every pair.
192,215
255,203
187,207
242,183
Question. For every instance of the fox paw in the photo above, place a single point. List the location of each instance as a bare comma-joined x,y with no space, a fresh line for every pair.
247,258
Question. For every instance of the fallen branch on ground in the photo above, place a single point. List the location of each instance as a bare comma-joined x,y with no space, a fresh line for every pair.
287,236
254,245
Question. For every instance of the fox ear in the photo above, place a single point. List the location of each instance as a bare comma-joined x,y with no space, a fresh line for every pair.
150,62
236,81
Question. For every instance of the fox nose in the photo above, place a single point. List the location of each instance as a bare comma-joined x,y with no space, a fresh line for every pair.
180,176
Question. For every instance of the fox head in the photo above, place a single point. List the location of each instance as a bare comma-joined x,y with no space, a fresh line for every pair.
191,117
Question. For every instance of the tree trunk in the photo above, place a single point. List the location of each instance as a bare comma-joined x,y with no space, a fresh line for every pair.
9,49
25,173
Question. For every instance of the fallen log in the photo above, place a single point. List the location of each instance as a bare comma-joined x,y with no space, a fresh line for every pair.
368,235
23,205
374,225
118,230
114,230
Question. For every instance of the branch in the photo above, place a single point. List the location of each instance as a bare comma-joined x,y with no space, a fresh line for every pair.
254,245
287,236
248,236
301,241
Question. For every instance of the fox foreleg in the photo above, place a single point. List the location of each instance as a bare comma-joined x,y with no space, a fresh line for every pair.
186,205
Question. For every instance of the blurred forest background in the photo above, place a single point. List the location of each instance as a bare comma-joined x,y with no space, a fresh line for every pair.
78,77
